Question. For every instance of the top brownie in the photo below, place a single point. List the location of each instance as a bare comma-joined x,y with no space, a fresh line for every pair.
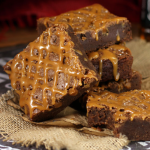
94,26
50,73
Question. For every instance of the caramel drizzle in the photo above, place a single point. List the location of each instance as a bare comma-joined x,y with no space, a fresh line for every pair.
107,54
94,18
25,76
135,103
118,36
112,57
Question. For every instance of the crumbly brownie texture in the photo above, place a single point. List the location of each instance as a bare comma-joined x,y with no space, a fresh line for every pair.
50,73
113,86
127,113
112,63
94,26
124,85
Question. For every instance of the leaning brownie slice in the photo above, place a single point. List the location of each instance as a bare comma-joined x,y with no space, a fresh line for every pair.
94,26
127,113
50,73
113,63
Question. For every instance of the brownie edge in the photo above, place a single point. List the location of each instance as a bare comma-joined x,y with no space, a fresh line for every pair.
110,30
134,83
113,63
126,113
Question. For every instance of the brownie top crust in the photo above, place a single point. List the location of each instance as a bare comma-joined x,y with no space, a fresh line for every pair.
48,69
92,19
113,53
127,105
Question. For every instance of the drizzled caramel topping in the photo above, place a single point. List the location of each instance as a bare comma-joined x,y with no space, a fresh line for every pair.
47,70
93,55
79,52
118,36
93,18
112,57
112,53
128,104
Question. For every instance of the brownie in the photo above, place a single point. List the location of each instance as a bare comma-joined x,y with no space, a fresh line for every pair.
94,26
115,62
50,73
113,86
124,85
126,113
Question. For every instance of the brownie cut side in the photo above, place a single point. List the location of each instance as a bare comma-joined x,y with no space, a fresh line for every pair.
50,73
126,113
107,39
113,63
94,26
134,83
124,85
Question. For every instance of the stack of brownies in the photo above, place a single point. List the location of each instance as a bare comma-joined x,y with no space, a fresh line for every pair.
102,36
80,56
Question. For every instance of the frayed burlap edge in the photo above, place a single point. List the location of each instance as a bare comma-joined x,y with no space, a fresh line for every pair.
13,127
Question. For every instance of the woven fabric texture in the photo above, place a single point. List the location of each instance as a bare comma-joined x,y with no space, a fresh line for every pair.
13,127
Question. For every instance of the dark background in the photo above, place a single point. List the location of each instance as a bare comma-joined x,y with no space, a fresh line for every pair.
24,13
18,18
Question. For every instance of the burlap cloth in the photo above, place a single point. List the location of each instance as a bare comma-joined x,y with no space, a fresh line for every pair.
69,129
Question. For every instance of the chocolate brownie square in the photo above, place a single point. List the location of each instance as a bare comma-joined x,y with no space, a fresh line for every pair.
50,73
94,26
126,113
113,63
124,85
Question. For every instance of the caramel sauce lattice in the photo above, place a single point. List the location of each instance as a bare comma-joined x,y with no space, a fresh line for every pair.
46,70
128,104
94,17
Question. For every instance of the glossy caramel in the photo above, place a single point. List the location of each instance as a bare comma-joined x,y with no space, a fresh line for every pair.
128,104
91,18
104,54
27,65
